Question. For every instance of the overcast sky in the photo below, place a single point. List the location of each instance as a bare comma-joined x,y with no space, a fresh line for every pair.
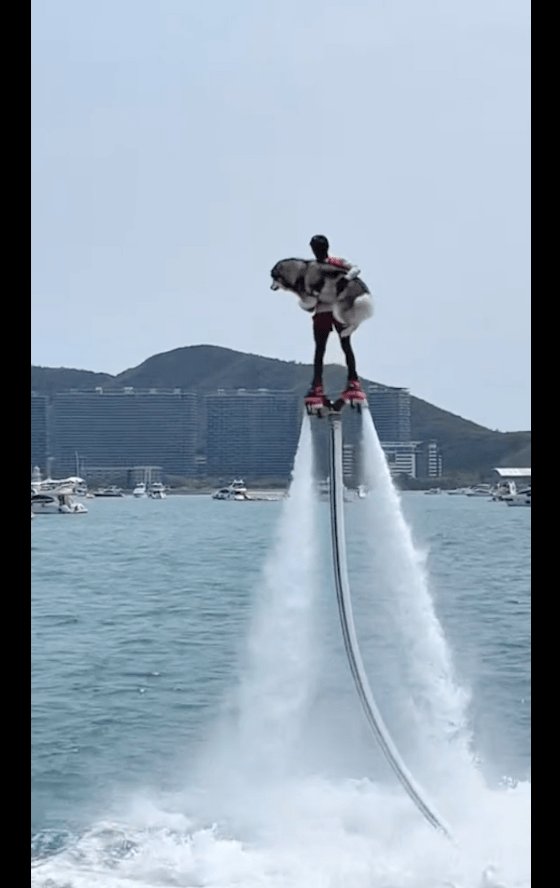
180,149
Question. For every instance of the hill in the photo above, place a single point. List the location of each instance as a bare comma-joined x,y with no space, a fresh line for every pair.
466,446
50,380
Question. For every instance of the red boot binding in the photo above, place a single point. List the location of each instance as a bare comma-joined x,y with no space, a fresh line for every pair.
316,403
354,394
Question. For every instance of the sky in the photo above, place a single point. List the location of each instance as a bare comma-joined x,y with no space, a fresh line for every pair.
180,149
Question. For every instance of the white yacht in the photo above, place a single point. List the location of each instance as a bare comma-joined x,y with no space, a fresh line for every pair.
234,491
74,483
140,491
523,498
52,496
504,491
480,490
58,500
157,490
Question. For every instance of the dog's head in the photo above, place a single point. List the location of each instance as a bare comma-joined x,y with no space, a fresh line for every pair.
288,275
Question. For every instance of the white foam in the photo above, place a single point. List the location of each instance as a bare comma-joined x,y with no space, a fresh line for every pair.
306,833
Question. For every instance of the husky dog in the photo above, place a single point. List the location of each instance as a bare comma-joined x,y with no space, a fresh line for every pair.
314,281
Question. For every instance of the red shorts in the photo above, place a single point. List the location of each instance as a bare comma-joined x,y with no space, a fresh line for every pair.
325,321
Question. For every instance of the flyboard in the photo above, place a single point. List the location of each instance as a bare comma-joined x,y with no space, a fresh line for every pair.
349,632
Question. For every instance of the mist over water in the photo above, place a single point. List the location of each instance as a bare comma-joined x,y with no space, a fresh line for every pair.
289,791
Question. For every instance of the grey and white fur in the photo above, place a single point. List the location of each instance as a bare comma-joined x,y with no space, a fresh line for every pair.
314,282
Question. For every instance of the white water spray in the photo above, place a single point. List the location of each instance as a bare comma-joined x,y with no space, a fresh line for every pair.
280,669
353,653
417,670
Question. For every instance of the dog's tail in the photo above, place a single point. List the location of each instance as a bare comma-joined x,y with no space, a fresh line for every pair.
355,314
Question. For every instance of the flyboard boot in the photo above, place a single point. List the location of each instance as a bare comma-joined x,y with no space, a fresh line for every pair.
316,402
354,395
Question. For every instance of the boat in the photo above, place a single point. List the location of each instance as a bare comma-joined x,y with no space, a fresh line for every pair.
51,496
480,490
60,500
504,491
109,491
80,487
236,490
157,490
433,491
140,491
74,483
523,498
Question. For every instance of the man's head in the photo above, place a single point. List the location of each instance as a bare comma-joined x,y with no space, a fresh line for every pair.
320,246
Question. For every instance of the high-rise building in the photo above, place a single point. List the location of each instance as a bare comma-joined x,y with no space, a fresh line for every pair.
348,464
417,459
429,460
251,433
401,457
390,409
39,430
126,428
248,433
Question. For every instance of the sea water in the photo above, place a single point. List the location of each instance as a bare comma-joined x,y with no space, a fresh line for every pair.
194,721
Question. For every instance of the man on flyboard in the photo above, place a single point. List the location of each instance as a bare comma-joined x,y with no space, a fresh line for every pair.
323,322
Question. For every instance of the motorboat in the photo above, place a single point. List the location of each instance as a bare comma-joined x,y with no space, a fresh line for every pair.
76,485
236,490
140,491
60,500
480,490
109,491
157,490
504,491
523,498
50,496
